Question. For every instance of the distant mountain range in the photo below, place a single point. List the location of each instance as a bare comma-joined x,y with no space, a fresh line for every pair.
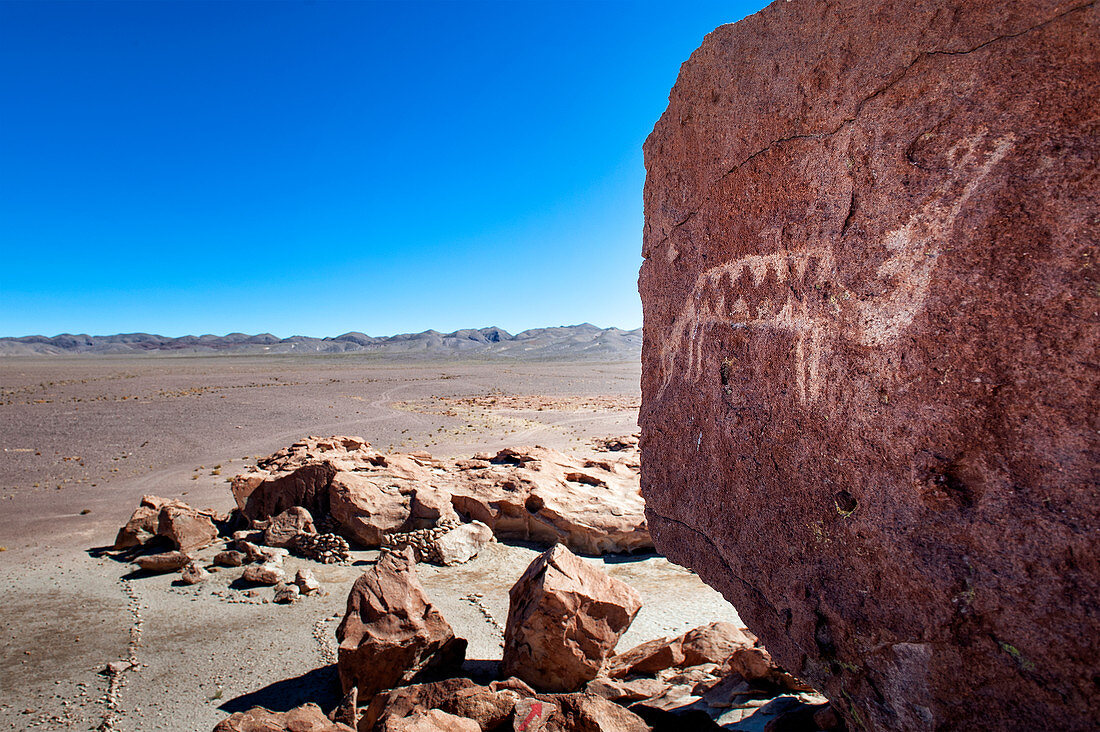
573,341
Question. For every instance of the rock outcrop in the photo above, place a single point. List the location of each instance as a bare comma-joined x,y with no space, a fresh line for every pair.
392,633
593,506
870,375
542,495
564,618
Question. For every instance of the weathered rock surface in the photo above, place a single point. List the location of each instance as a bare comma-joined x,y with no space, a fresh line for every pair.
163,562
143,523
530,493
489,706
461,544
306,718
539,494
284,529
871,344
432,720
564,618
298,476
267,573
391,632
187,528
707,644
307,582
193,573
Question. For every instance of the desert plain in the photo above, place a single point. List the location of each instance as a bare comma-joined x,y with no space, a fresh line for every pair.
83,438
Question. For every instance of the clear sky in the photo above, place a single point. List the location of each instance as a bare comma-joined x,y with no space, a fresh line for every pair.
315,167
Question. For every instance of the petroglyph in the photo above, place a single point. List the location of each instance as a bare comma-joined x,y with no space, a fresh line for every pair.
777,291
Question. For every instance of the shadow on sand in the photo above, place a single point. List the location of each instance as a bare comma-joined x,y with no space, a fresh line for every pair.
320,686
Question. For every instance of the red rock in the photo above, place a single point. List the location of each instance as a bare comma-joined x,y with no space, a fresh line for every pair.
541,495
284,529
869,377
193,574
231,558
307,582
432,720
714,643
564,618
391,631
187,528
624,692
142,525
368,506
264,574
306,718
591,713
647,658
163,562
298,476
461,544
490,707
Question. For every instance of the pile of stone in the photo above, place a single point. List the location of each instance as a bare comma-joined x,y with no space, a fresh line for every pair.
559,670
324,548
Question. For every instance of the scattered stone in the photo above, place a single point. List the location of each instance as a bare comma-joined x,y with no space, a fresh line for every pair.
324,548
231,558
193,573
264,574
565,617
163,562
284,529
391,632
286,594
306,582
306,718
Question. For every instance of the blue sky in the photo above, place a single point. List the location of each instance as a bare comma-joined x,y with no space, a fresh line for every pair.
315,168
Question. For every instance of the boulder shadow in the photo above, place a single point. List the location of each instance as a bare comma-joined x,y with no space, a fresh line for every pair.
320,686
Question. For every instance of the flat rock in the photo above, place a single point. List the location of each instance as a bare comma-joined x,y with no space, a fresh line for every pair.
188,529
564,618
432,720
489,706
391,632
869,371
163,562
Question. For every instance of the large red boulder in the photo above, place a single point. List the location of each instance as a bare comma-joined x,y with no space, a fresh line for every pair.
870,362
564,618
392,633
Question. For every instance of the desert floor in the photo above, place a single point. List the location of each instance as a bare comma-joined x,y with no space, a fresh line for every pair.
83,438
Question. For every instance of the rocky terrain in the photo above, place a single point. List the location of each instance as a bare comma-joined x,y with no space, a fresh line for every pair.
566,342
871,351
400,663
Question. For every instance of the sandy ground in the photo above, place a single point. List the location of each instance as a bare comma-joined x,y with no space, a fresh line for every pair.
83,439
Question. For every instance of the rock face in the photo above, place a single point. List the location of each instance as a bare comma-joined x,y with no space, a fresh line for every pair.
391,632
564,618
284,529
869,367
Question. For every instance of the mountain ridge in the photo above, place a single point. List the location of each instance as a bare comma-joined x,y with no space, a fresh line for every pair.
583,340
